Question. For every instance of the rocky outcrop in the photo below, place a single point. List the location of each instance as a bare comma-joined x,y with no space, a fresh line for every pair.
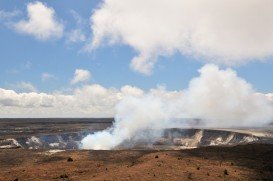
174,138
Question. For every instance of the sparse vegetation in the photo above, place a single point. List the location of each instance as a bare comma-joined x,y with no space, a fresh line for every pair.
64,176
69,159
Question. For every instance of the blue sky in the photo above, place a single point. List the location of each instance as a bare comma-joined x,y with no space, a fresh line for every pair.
24,58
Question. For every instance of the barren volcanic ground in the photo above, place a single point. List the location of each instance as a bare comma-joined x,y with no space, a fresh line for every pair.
48,149
244,162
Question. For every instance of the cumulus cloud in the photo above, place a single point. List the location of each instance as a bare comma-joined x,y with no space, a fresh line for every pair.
130,90
81,75
219,98
226,32
12,101
270,96
41,23
23,87
87,101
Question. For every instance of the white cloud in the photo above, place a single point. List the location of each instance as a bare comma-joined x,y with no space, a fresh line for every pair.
75,35
4,15
41,23
87,101
79,20
270,96
81,75
130,90
227,31
46,76
23,87
219,97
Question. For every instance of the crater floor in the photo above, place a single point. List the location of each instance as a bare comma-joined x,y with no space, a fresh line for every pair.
67,134
47,149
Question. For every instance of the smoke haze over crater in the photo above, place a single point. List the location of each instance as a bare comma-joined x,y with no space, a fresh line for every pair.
218,97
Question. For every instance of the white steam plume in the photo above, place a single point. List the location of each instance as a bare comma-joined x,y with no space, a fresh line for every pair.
223,99
218,97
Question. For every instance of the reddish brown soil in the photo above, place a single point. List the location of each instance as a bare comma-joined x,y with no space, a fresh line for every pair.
249,162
